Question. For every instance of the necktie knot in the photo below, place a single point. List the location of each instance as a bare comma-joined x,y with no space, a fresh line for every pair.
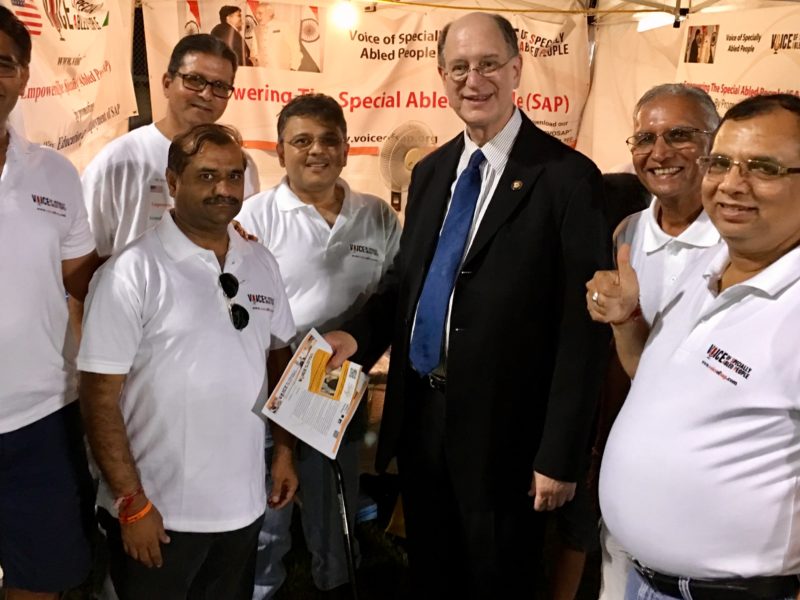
476,159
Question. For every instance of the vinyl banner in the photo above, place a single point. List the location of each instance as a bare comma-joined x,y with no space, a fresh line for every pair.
80,92
743,53
381,70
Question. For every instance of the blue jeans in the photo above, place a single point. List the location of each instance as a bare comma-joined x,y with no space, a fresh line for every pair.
322,526
639,589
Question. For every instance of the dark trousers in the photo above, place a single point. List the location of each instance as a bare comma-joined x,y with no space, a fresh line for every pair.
456,551
197,566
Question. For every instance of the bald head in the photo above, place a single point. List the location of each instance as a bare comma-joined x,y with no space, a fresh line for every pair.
477,18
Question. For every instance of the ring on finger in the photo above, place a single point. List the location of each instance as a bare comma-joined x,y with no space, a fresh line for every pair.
595,297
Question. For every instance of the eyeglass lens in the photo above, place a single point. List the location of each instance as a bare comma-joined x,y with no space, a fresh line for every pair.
304,142
198,83
677,137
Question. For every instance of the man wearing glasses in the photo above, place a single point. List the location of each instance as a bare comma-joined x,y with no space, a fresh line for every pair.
699,476
495,370
177,331
333,244
47,251
673,124
124,185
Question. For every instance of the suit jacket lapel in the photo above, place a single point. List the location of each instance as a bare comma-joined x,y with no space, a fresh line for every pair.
514,186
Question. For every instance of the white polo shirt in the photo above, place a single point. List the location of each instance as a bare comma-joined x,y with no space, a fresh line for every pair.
659,258
329,272
42,222
156,312
125,187
701,473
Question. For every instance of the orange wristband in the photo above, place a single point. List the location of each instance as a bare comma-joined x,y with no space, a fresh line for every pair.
128,519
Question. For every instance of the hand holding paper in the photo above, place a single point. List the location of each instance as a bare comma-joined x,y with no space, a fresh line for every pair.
313,401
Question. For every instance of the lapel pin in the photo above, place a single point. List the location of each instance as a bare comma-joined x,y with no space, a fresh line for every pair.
517,185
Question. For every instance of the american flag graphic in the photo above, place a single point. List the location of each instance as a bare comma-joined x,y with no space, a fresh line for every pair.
30,16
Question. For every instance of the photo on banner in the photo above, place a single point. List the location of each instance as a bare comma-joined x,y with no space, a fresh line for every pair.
735,55
80,92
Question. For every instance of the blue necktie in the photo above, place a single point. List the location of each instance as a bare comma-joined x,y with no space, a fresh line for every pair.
426,341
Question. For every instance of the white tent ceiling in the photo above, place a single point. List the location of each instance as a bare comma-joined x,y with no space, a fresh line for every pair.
605,11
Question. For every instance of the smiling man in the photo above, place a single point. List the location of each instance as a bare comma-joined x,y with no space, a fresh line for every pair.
699,477
672,127
125,187
333,244
495,366
174,358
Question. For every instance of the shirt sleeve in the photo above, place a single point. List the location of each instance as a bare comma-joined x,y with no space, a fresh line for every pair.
112,323
78,240
283,328
98,196
393,231
252,184
251,217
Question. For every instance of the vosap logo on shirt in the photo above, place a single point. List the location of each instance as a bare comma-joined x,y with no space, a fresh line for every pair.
365,252
261,302
45,204
733,365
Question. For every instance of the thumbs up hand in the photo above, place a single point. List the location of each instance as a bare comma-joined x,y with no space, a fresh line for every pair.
613,296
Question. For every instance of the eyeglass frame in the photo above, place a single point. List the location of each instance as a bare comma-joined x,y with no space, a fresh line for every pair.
630,141
12,63
479,70
214,84
744,167
314,140
236,312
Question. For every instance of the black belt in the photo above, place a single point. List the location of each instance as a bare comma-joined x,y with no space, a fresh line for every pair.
737,588
437,382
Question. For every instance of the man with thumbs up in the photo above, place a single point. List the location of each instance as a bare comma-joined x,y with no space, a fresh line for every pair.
699,476
672,126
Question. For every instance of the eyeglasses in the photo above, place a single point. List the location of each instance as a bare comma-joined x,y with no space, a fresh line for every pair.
717,166
9,68
230,287
486,67
304,142
677,137
197,83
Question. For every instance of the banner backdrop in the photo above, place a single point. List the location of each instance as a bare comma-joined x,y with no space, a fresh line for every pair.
382,71
739,54
80,92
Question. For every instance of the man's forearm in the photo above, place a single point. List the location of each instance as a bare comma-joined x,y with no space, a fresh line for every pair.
277,360
105,430
283,440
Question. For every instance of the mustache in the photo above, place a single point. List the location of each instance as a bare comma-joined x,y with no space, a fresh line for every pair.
222,200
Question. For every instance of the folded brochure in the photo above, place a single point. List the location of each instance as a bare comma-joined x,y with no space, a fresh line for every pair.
312,403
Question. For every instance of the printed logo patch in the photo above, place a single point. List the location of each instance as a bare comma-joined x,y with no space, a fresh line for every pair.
48,205
261,302
726,366
364,252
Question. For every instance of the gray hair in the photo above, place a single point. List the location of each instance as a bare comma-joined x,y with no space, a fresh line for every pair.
701,99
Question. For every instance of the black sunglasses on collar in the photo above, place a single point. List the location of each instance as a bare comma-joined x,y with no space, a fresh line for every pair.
230,287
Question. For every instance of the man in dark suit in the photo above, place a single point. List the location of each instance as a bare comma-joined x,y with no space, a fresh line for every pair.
227,30
495,365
